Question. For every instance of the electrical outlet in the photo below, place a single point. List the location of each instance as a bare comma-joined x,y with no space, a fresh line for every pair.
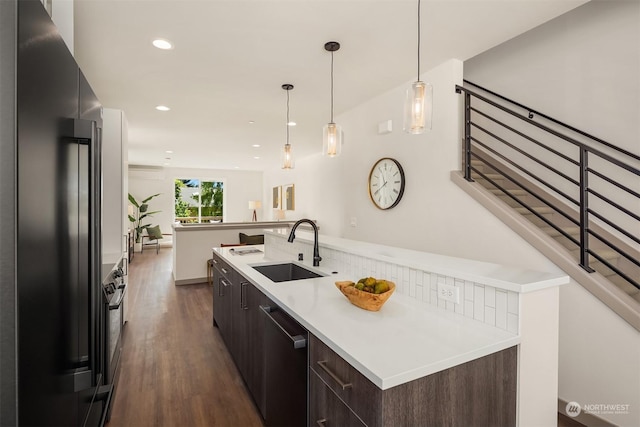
449,293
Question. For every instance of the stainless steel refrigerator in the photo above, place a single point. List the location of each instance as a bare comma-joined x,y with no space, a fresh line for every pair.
58,328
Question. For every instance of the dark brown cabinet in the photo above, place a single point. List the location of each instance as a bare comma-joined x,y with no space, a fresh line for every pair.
326,409
248,337
223,277
477,393
236,313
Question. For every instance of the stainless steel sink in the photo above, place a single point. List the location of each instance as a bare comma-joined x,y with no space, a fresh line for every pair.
285,272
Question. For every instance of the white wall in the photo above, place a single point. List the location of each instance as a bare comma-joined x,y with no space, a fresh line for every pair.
239,188
113,194
62,15
583,68
588,59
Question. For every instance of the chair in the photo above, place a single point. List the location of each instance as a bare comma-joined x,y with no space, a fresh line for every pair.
210,271
257,239
153,237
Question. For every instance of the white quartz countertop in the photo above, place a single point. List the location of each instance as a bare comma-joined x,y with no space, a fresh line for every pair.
404,341
500,276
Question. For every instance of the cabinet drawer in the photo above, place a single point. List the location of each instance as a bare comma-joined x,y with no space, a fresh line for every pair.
360,394
222,267
325,409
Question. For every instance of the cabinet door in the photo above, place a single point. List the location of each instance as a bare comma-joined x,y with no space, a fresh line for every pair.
216,299
325,409
222,308
255,333
239,343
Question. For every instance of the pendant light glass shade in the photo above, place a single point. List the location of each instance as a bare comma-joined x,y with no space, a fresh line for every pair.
418,108
287,152
331,139
418,105
331,132
287,157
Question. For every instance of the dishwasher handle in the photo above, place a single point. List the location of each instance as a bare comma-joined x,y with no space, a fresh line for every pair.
298,340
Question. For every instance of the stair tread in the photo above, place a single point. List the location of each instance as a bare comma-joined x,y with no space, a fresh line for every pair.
538,209
607,254
489,175
572,231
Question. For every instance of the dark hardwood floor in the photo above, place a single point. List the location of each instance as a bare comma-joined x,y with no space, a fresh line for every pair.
564,421
175,369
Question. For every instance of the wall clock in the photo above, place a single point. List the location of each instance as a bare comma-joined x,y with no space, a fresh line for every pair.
386,183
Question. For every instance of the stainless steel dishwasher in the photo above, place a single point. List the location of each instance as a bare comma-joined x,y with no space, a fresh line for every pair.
286,369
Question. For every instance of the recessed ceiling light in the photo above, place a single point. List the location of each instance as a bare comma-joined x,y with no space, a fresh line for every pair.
251,122
166,164
162,108
162,44
169,152
291,124
256,157
256,145
236,167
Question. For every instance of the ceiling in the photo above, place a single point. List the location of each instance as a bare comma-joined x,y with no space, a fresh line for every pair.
231,57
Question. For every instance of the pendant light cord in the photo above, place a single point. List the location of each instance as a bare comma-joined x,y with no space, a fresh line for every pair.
331,87
418,39
287,124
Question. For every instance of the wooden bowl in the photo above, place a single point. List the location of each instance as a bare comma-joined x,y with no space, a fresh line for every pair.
365,300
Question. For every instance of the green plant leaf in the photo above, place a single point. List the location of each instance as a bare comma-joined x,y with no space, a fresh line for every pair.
148,214
133,201
143,207
150,197
131,218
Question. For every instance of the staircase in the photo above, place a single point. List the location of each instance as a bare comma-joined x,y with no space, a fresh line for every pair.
574,197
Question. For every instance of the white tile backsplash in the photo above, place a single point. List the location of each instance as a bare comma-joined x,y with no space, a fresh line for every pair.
490,296
512,302
495,307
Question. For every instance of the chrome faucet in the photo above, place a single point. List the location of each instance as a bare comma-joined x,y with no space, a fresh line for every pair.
316,253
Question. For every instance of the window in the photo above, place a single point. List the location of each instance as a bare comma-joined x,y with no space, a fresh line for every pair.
198,201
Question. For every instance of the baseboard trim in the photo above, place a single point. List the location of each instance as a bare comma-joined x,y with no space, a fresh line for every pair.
584,418
198,281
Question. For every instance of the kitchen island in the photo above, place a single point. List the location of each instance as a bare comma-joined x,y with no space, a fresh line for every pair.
417,334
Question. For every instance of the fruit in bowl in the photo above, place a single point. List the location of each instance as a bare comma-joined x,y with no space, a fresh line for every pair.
368,293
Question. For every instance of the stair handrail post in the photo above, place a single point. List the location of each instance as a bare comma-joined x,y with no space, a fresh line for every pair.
584,209
467,137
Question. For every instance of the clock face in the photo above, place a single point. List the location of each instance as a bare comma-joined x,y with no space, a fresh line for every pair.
386,183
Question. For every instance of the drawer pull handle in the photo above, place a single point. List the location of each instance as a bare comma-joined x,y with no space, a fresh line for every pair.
321,422
323,366
224,270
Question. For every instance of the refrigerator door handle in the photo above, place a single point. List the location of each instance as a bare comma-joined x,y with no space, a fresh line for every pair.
79,129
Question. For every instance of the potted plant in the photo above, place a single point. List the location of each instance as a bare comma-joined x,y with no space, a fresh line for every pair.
141,212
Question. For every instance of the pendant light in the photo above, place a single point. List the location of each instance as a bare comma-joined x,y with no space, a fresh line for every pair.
331,133
287,154
418,104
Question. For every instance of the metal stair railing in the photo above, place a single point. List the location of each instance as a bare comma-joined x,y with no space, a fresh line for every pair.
507,131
